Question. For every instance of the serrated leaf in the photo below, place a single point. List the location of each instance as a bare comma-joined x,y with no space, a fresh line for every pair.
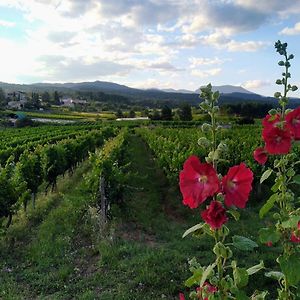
268,205
275,275
243,243
193,229
268,235
266,175
256,268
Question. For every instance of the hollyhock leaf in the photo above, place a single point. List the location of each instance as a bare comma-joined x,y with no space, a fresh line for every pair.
274,275
290,267
240,295
268,205
266,175
195,278
234,213
240,277
256,268
243,243
276,186
268,235
193,229
206,273
296,179
292,222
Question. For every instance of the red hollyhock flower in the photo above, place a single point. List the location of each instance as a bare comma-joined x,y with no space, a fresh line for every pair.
237,185
270,120
295,236
197,182
293,122
206,290
215,215
269,244
278,140
181,296
260,155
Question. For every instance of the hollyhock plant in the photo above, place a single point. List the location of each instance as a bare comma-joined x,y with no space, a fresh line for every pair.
278,140
198,181
237,185
215,215
260,155
293,122
281,130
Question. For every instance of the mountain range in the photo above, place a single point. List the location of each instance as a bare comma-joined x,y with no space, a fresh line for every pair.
229,93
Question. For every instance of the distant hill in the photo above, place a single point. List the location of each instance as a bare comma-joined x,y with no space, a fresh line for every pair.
228,89
150,97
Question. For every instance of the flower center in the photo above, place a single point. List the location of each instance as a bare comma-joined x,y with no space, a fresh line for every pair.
230,184
202,179
278,139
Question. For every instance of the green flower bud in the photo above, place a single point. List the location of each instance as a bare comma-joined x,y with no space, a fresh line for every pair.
204,142
277,95
288,110
272,112
281,63
291,56
206,127
278,81
294,88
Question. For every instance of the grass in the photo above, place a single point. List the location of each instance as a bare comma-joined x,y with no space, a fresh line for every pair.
57,253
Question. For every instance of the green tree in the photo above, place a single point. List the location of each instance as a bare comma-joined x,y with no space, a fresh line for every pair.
2,99
185,112
166,113
56,98
132,114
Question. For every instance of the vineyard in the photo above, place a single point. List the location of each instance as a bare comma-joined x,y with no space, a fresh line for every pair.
112,205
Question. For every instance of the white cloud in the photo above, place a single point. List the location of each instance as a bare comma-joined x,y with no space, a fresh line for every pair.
256,84
206,73
202,61
4,23
291,30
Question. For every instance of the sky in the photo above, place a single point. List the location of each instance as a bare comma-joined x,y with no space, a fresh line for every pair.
179,44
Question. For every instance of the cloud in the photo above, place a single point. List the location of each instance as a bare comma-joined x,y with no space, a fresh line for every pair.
61,37
291,30
256,84
4,23
206,73
78,69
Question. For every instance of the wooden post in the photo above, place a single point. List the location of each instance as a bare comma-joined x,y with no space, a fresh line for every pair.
103,198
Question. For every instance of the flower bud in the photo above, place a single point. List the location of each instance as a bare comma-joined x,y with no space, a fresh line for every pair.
291,56
281,63
278,81
206,127
272,112
294,88
204,142
277,95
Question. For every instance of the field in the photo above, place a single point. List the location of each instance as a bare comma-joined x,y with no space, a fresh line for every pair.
62,248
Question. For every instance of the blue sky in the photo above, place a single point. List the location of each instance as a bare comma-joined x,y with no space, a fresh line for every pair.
180,44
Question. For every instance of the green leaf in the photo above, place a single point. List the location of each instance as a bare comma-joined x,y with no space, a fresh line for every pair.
268,235
290,267
240,277
296,179
206,273
256,268
266,175
193,229
234,213
268,205
292,222
274,275
276,186
243,243
195,278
